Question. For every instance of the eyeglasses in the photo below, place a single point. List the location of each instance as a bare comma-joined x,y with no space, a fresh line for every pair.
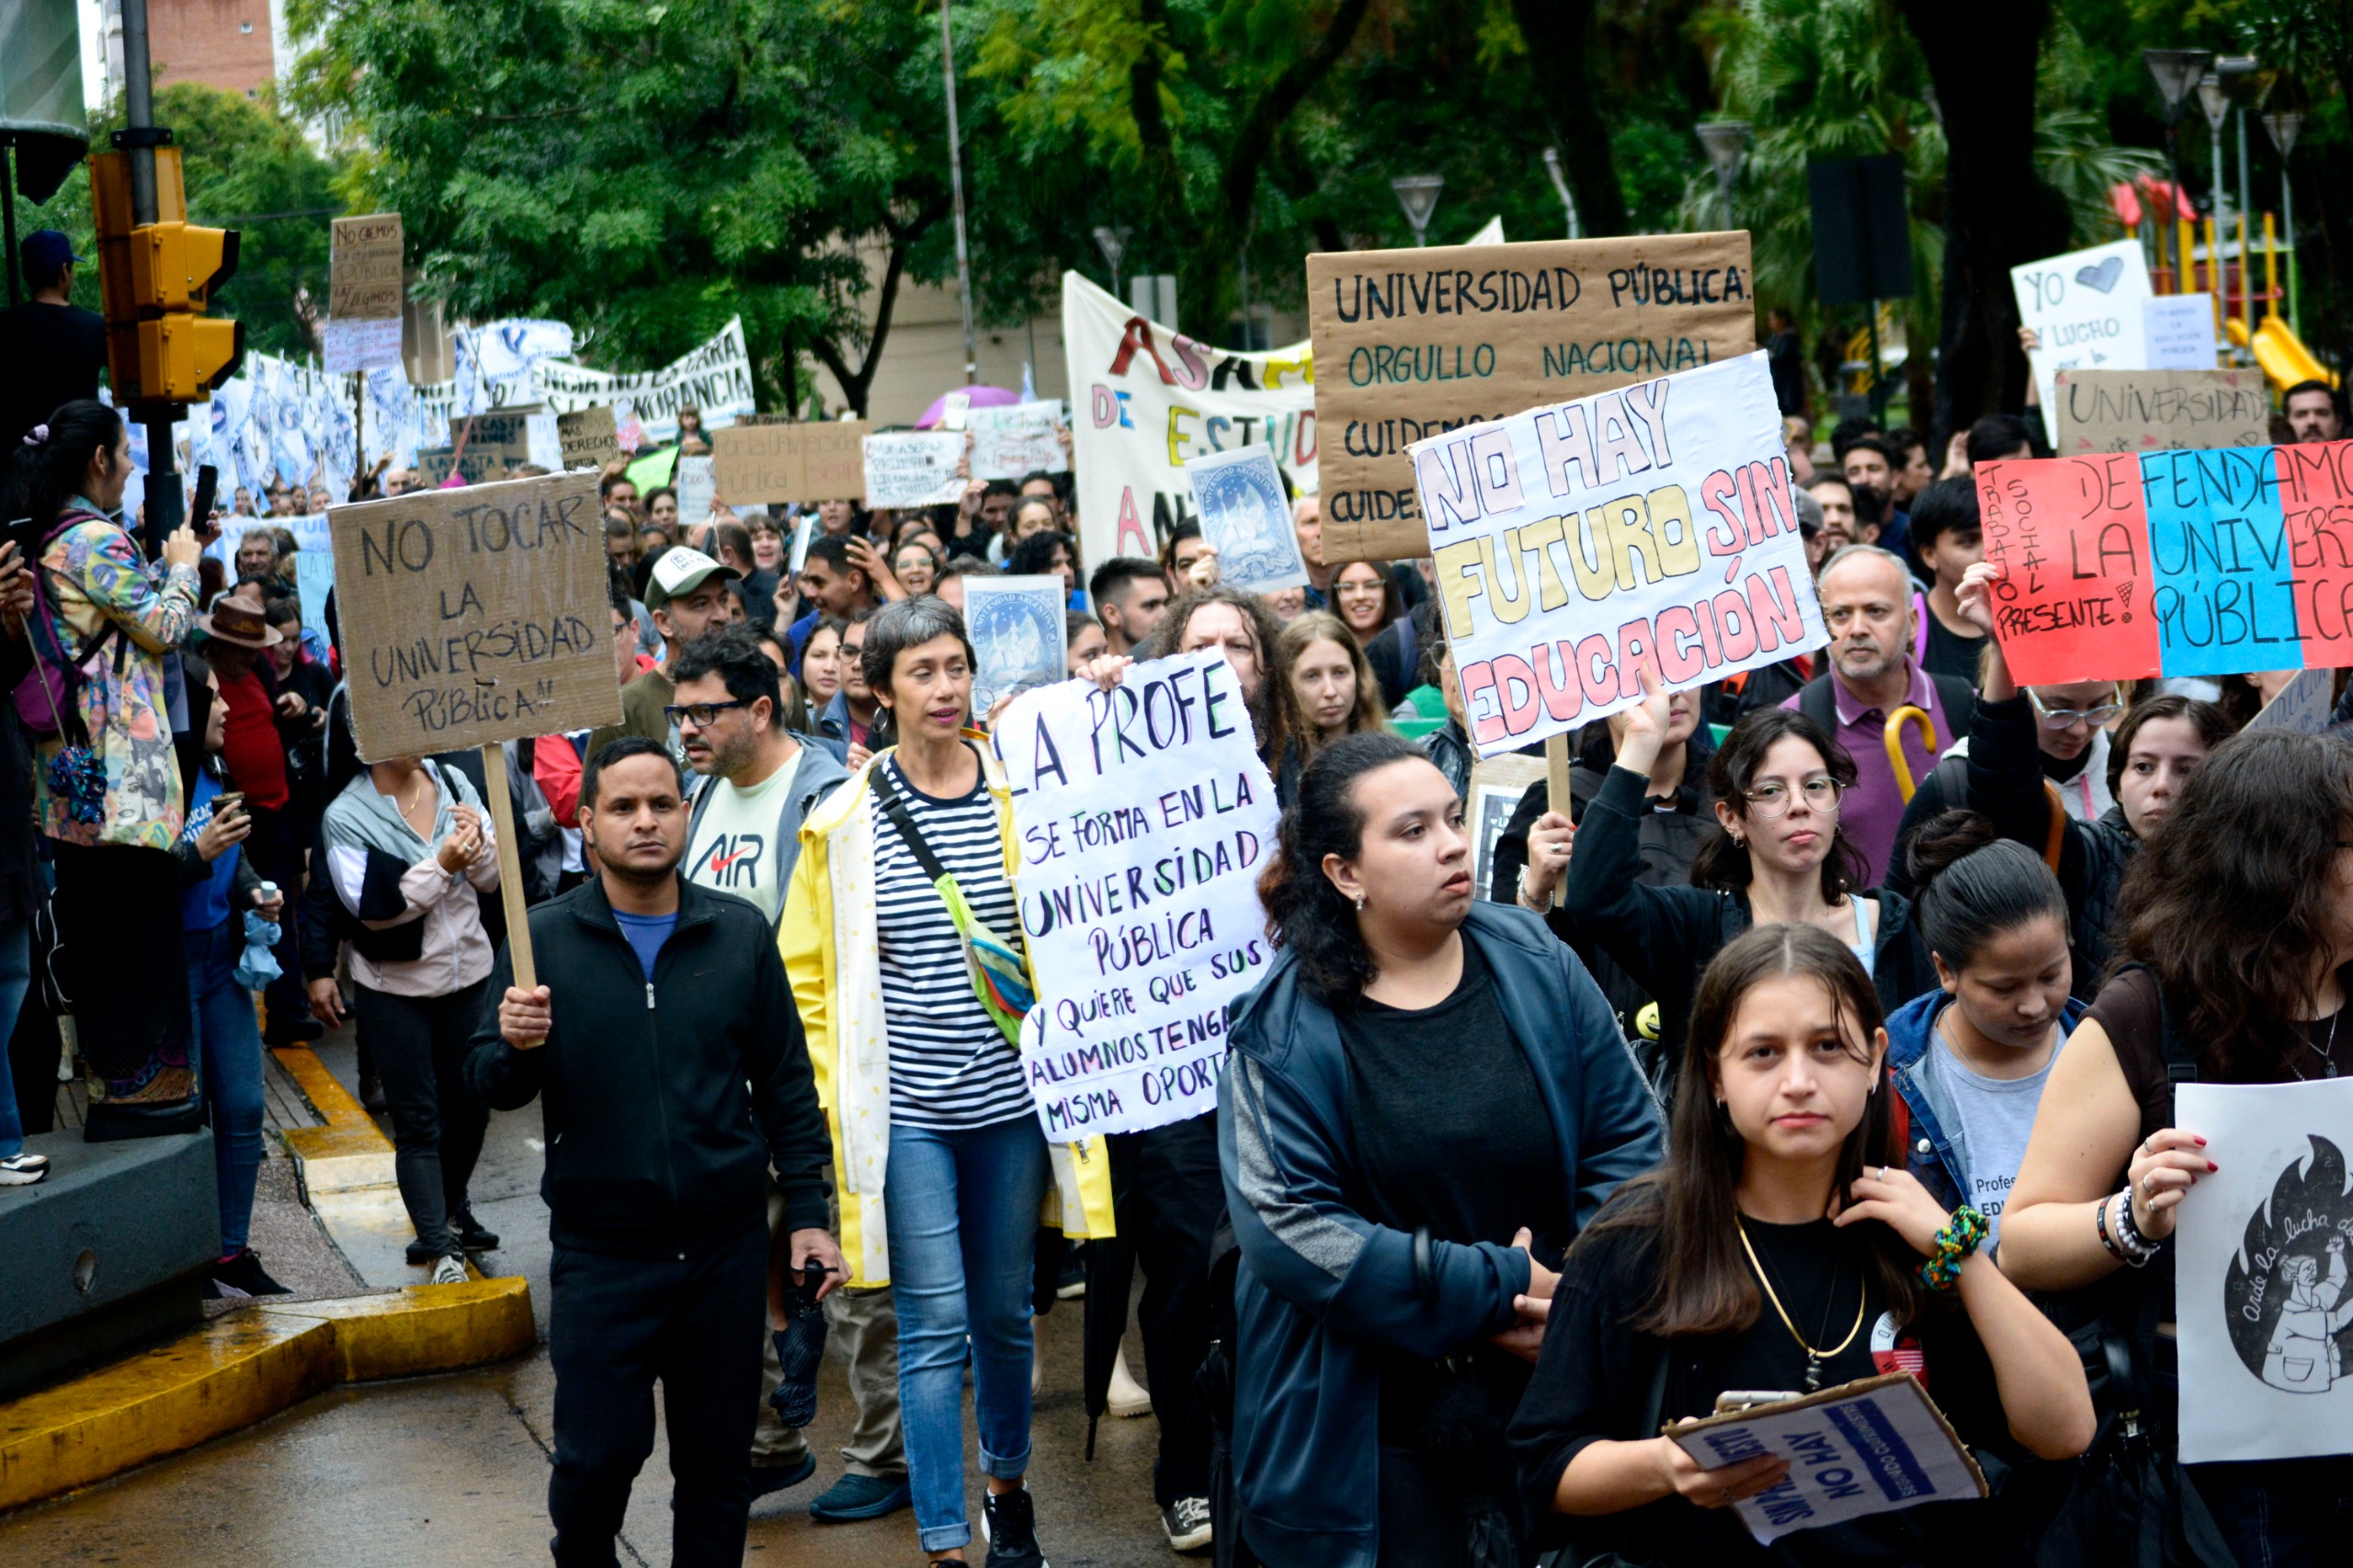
1771,799
703,714
2068,718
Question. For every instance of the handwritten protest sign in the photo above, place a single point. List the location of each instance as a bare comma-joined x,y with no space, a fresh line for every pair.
2177,332
1144,818
1413,342
475,465
695,486
2150,410
2302,707
1869,1446
2086,310
2263,1291
515,435
474,615
819,461
1015,441
1145,399
2178,562
364,293
588,437
1575,542
913,468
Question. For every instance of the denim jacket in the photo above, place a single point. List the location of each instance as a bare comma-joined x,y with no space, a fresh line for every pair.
1928,1150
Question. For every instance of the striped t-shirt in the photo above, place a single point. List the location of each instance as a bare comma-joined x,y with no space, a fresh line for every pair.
951,1065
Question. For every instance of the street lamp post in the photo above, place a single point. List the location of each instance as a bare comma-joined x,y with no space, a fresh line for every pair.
1726,142
956,188
2175,71
2281,129
1560,183
1113,242
1417,194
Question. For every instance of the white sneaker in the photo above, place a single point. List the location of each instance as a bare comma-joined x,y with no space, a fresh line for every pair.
1127,1398
1186,1522
450,1271
23,1170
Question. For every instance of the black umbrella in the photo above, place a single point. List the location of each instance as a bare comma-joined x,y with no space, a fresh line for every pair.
1110,1270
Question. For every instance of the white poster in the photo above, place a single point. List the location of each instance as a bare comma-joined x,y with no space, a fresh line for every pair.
1573,544
1016,441
1146,399
347,346
915,468
2086,310
695,486
714,379
2179,330
1020,632
1245,519
1145,819
2263,1291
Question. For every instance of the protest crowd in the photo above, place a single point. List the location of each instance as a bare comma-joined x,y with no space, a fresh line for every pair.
1788,1030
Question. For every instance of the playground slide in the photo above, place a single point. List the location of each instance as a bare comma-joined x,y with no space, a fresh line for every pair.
2281,354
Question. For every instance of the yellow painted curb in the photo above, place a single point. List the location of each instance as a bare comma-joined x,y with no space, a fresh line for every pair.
326,1094
241,1368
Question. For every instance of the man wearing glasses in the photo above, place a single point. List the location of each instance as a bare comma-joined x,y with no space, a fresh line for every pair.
760,782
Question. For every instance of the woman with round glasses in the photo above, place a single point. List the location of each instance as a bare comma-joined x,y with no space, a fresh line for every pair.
1777,857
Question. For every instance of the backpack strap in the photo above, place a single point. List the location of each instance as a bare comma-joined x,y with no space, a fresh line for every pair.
1817,703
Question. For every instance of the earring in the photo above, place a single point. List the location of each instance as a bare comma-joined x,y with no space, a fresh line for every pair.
1360,903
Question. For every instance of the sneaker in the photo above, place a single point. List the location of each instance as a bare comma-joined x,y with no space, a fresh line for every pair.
1072,1284
858,1496
1009,1523
472,1234
23,1170
242,1275
1186,1520
1127,1398
767,1478
450,1271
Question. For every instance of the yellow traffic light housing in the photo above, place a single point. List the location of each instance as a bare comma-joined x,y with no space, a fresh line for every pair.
182,357
175,266
155,278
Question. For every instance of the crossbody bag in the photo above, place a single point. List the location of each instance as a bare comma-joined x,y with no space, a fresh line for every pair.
999,975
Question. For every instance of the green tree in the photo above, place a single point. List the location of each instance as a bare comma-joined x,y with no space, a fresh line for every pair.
245,167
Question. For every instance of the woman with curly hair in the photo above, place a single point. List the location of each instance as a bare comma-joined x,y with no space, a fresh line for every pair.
1399,1246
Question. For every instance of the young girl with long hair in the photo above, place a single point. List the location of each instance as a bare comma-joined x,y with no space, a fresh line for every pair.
1780,1248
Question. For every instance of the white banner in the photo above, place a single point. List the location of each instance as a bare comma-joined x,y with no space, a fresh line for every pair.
715,379
1144,818
1146,399
2263,1291
1575,543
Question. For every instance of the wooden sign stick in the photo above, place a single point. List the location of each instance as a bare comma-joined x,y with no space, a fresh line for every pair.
510,867
1556,773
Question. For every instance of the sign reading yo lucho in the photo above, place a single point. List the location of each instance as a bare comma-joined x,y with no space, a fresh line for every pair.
1578,542
474,615
1144,817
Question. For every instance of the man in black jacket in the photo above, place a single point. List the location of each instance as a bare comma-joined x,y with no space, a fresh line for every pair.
659,1137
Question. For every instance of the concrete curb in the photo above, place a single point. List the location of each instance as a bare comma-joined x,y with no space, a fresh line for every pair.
242,1368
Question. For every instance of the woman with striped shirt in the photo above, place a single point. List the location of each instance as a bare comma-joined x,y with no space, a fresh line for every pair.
922,1085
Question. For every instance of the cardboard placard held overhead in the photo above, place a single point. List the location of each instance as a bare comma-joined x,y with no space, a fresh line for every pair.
1410,343
474,615
514,436
2156,411
364,268
588,437
819,461
475,465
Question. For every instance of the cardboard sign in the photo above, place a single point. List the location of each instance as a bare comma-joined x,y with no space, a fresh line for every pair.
2174,564
1144,818
1410,343
913,468
824,461
475,465
364,268
2263,1290
1020,632
515,435
1576,542
2154,410
1497,787
1869,1446
2086,310
1016,441
1245,519
2303,706
1146,399
475,616
588,437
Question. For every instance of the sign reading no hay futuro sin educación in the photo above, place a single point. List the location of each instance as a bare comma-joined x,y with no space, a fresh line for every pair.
1411,343
1573,544
474,615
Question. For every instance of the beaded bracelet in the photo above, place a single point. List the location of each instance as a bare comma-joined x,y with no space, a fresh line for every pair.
2128,1234
1962,1236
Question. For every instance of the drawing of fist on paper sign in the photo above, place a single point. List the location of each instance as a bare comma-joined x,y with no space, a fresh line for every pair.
1575,543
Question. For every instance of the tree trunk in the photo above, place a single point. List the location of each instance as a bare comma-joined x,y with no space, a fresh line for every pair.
1998,211
1559,36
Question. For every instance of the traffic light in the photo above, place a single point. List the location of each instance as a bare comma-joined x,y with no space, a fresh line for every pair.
157,279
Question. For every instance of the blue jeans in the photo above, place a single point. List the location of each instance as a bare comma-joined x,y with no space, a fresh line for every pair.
962,1211
15,980
222,1021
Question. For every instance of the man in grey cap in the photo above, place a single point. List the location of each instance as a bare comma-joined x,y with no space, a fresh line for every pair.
686,595
54,347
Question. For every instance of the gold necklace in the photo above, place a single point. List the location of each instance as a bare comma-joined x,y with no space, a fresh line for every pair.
1813,1358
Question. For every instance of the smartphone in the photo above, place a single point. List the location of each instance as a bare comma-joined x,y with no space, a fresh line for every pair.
199,512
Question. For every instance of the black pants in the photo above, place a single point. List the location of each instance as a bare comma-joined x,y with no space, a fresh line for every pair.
277,858
618,1324
1168,1197
419,1044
